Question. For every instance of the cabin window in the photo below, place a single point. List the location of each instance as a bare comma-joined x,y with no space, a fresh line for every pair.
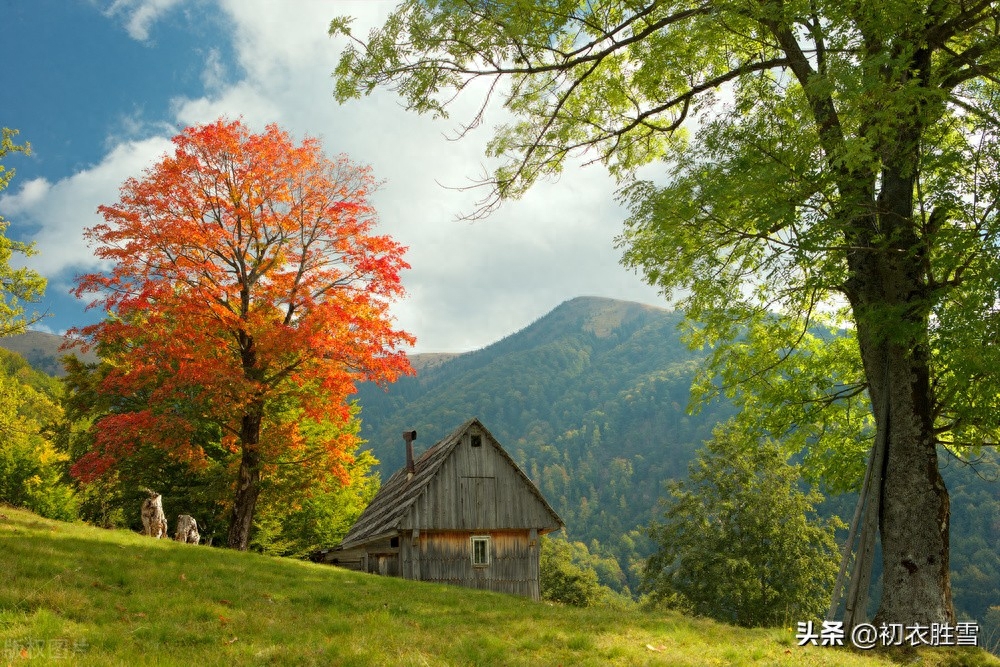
394,542
480,551
477,441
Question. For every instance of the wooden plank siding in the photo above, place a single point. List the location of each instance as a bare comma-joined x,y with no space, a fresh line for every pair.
466,494
421,522
446,558
350,559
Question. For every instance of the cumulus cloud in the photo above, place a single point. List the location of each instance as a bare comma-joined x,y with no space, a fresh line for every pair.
62,210
30,195
471,283
213,77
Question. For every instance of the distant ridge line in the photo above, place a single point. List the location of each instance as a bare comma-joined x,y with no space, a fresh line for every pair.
42,350
580,305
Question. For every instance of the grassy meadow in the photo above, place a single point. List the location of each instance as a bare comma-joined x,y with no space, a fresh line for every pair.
74,594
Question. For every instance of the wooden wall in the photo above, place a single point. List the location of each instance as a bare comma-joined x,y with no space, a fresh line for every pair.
446,557
478,488
476,491
350,559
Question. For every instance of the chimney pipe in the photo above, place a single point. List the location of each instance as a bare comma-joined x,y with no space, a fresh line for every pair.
409,437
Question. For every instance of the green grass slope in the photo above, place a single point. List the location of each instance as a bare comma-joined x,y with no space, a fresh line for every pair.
74,594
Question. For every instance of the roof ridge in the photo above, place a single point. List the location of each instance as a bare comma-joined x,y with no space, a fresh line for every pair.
403,488
399,493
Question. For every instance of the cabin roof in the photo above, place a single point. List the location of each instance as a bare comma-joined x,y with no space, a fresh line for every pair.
384,515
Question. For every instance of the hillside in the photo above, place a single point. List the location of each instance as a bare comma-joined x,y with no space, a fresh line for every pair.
41,350
590,402
85,596
534,385
428,360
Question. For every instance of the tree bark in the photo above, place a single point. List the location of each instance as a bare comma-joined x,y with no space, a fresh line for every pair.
248,482
887,287
915,511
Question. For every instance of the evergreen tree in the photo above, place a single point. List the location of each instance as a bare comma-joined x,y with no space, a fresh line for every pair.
739,541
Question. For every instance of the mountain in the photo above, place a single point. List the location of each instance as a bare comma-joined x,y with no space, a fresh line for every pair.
42,351
589,400
586,365
430,359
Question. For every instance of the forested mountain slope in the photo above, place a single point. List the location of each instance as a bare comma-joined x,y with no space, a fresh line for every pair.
590,401
42,351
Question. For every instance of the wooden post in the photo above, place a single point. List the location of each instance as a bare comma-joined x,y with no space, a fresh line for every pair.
534,548
869,506
415,543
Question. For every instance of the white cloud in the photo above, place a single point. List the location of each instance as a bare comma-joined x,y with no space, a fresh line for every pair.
213,77
471,283
38,326
63,209
30,195
139,15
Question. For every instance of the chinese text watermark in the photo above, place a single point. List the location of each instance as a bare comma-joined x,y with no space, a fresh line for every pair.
866,635
52,649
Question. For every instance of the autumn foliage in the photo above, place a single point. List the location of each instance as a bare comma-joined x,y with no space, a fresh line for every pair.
247,290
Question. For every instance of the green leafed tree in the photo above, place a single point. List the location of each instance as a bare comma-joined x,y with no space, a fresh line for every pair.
306,508
17,285
740,542
824,165
567,574
32,467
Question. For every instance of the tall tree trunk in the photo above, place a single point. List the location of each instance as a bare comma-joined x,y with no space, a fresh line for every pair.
915,511
248,483
888,291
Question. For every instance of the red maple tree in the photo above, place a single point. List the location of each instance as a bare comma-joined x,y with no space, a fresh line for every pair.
246,288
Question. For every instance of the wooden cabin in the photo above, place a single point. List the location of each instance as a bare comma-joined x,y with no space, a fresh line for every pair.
462,513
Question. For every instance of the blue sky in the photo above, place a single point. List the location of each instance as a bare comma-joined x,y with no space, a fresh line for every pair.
74,79
98,87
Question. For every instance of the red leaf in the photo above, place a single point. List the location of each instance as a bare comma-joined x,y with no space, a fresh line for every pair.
247,291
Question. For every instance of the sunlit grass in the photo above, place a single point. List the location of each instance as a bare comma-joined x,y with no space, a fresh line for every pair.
73,594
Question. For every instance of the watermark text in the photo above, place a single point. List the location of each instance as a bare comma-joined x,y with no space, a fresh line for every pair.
867,635
52,649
